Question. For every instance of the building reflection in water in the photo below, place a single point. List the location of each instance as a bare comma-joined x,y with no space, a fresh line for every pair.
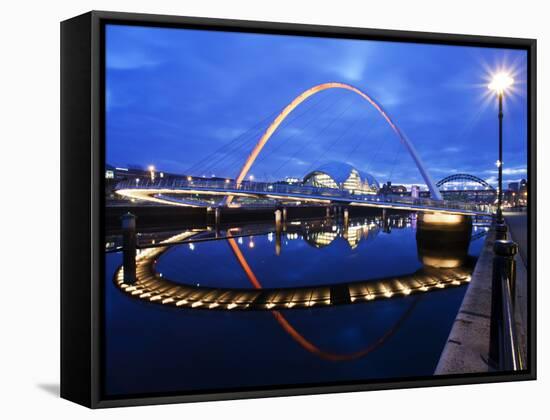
442,248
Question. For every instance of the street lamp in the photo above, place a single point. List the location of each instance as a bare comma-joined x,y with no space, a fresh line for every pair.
152,172
499,84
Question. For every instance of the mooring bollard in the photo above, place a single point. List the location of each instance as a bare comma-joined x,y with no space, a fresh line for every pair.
505,253
278,230
504,270
129,247
278,219
501,231
217,219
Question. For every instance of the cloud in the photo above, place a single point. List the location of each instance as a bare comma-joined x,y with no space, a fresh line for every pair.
352,62
452,149
508,171
129,60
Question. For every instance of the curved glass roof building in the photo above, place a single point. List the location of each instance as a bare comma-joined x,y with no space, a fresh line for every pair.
342,176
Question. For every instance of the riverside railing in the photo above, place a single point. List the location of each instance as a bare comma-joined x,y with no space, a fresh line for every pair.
266,188
505,350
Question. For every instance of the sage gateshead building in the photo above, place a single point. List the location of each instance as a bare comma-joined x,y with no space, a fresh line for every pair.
342,176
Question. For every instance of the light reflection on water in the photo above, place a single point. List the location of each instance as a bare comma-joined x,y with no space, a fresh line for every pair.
151,348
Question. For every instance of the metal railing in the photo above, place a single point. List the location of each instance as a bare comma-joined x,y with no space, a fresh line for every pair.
505,350
305,191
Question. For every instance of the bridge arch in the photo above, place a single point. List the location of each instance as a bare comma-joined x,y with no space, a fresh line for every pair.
464,178
319,88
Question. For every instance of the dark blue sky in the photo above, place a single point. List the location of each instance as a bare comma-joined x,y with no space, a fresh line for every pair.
197,100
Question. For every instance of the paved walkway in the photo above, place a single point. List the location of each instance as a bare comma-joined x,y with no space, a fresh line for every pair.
467,347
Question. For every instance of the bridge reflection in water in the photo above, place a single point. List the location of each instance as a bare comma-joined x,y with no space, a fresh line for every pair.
152,287
443,257
394,299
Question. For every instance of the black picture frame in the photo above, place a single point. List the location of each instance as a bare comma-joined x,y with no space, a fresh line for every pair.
82,203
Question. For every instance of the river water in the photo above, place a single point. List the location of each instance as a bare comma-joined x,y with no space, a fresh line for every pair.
154,349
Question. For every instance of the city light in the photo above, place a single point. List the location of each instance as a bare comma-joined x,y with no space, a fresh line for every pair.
500,82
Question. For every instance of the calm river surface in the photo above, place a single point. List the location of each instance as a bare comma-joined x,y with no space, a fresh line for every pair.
151,348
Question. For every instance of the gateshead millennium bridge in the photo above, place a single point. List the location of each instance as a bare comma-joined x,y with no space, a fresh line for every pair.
167,192
173,192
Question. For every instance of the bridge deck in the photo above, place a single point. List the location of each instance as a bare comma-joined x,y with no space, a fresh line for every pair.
165,192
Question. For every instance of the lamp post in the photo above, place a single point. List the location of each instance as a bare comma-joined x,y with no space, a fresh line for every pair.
499,84
152,172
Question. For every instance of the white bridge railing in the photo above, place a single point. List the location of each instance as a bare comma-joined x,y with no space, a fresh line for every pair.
305,191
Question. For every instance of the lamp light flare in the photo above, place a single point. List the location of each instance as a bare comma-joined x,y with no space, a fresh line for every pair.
501,82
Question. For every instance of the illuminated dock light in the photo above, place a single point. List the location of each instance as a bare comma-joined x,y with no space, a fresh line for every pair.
442,218
153,287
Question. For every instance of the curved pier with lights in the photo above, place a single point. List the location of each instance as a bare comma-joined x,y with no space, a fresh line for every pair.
153,287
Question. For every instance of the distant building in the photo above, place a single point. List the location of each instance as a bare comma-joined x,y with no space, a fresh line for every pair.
342,176
415,191
516,195
291,180
388,189
138,175
517,186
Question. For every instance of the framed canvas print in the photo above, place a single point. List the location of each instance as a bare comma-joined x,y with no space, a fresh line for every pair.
257,209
